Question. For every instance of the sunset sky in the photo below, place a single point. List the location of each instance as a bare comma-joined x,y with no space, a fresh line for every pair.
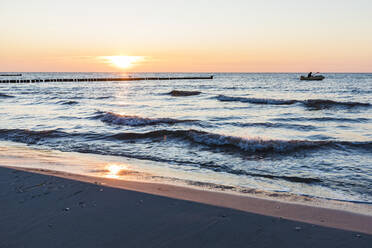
186,36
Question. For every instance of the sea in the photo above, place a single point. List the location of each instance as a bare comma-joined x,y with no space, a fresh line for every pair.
238,132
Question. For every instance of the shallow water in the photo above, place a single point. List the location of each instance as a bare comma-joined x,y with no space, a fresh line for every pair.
266,131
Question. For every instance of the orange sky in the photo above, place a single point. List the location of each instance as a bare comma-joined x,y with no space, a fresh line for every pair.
193,36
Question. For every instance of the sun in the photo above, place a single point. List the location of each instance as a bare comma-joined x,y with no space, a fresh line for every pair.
122,62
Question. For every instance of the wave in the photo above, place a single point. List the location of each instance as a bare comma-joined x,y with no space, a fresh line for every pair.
2,95
34,137
213,140
68,102
183,93
325,104
102,97
132,120
48,137
323,119
224,98
310,103
250,145
227,169
274,125
30,136
82,142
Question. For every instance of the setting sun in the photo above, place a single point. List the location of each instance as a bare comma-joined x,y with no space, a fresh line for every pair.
122,61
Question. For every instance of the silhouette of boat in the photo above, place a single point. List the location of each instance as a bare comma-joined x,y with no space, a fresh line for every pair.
312,78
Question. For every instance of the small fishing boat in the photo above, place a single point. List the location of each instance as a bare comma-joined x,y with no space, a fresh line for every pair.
316,78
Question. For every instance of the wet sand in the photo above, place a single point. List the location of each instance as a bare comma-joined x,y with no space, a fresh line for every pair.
42,208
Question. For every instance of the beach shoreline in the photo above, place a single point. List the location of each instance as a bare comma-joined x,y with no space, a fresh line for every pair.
295,211
73,164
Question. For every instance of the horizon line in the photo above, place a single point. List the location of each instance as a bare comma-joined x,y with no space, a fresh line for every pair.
292,72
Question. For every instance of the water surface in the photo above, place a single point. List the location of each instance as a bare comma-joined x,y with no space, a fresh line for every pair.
264,131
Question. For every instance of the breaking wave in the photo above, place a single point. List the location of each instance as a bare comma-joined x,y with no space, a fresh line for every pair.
224,142
132,120
42,137
80,142
250,145
310,103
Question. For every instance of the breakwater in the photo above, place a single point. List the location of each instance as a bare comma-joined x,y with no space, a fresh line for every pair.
99,79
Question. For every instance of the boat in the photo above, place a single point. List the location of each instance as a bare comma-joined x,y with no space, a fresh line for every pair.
318,78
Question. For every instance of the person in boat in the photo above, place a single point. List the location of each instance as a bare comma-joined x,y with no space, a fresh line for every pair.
310,75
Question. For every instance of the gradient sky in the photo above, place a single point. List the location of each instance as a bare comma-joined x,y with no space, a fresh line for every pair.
187,36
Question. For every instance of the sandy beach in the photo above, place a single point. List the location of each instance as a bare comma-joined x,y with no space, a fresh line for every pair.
41,208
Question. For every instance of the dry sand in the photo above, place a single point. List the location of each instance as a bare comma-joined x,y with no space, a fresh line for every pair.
53,209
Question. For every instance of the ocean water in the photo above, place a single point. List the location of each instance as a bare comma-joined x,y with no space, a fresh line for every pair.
263,131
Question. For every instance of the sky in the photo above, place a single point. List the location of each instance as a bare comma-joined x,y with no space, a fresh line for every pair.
186,36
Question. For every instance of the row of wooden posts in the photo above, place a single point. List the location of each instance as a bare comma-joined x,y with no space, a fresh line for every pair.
99,79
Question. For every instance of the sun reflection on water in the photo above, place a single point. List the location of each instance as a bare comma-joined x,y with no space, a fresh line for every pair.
113,170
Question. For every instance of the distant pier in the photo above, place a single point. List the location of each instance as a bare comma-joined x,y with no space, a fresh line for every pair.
99,79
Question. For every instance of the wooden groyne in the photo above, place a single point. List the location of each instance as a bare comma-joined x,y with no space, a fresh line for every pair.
99,79
10,75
